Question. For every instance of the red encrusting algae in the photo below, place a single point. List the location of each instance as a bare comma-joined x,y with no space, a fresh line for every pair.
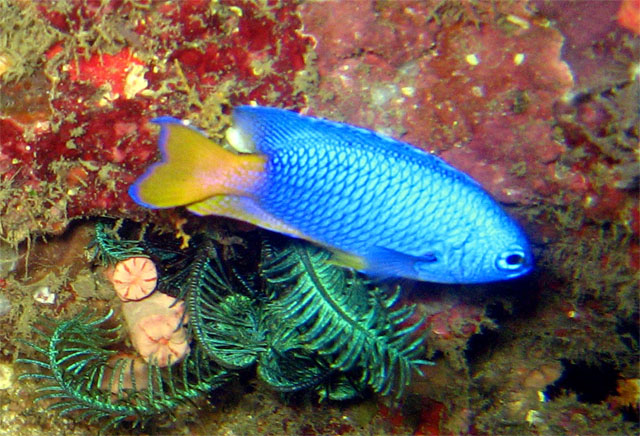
104,77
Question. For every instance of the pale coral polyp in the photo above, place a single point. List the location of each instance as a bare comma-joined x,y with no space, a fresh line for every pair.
134,278
155,328
159,342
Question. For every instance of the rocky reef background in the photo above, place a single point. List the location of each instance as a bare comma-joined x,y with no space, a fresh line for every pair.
537,100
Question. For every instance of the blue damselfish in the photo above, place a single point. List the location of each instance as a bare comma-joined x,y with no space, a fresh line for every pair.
383,206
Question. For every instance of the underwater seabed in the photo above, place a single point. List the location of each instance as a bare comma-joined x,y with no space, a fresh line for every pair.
535,99
282,318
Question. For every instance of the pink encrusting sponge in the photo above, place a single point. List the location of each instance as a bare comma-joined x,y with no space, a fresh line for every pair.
155,329
134,278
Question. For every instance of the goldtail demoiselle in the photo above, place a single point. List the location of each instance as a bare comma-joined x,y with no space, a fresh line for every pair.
383,206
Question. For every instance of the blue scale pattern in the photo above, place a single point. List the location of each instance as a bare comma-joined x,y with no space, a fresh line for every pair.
356,190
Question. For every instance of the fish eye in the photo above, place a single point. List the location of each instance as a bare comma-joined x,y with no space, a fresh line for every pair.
510,260
514,259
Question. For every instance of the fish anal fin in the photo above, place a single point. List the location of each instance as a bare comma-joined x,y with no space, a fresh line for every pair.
347,260
244,209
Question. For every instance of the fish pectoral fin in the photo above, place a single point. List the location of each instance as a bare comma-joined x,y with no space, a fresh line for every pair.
427,258
244,209
381,262
385,261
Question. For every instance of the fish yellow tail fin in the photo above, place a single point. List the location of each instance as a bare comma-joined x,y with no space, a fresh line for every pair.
193,168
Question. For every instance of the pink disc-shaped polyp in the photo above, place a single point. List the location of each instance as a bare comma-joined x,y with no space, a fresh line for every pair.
134,278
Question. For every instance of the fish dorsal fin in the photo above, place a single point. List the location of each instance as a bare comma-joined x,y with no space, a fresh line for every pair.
271,130
245,209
